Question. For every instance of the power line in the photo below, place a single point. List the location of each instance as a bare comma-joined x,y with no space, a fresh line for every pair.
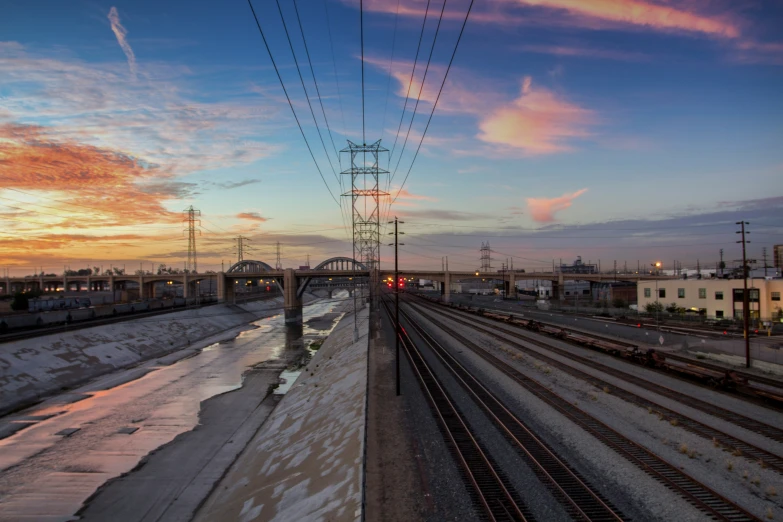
435,105
336,79
410,82
391,65
421,90
361,37
307,96
269,51
317,91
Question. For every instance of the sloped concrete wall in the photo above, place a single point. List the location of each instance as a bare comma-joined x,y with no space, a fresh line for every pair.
307,460
33,368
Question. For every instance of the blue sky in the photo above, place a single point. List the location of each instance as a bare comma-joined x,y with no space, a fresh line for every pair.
614,129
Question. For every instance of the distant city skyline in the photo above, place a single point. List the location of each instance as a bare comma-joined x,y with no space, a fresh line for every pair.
617,130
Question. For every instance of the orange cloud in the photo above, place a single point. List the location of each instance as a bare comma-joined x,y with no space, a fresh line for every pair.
105,187
252,216
538,122
639,12
543,209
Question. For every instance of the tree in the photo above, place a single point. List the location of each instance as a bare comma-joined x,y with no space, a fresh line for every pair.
652,308
672,308
619,302
21,301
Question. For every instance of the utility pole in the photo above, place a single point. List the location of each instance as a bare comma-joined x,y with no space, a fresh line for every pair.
397,329
191,218
745,301
764,257
722,264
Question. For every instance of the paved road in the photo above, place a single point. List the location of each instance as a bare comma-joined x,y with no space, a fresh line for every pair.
70,449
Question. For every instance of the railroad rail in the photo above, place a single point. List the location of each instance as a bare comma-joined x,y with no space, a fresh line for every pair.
581,500
490,488
693,491
727,442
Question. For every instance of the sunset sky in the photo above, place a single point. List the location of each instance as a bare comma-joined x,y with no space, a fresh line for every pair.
612,129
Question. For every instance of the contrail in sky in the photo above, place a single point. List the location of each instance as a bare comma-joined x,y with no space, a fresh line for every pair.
120,32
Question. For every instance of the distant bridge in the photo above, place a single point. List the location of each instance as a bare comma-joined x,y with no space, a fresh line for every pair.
331,273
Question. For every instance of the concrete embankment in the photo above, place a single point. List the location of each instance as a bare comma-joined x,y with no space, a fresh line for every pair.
307,460
34,368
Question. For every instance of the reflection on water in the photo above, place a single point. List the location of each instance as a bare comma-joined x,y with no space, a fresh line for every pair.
35,463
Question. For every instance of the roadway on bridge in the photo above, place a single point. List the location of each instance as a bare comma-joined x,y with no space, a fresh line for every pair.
133,412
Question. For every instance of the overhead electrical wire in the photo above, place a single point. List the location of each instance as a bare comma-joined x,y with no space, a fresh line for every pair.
361,37
269,51
317,90
304,88
391,65
334,67
410,82
437,99
421,90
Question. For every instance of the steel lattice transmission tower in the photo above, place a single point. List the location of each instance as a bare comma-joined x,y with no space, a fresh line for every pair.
241,247
192,219
486,259
365,194
278,264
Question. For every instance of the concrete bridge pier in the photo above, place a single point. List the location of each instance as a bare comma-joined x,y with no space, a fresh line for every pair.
292,303
445,288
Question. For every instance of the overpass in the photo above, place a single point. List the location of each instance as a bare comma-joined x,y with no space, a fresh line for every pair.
331,273
510,278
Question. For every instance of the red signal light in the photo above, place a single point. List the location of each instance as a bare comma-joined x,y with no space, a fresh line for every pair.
401,285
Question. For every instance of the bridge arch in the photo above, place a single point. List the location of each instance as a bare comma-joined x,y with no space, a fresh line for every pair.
340,263
249,266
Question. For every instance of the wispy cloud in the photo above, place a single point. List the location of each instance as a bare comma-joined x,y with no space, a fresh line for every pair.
643,14
120,33
585,51
236,184
537,122
543,210
252,216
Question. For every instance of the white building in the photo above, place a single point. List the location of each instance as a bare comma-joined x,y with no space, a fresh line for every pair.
718,298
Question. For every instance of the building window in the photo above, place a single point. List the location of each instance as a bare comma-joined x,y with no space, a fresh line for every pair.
661,293
719,314
681,293
702,293
776,296
647,292
719,296
585,292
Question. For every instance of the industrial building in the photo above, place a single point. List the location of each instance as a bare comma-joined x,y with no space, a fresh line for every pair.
717,298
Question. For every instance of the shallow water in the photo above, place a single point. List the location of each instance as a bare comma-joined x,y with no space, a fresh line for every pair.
47,476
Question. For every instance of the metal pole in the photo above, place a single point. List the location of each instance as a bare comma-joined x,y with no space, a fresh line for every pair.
396,311
745,300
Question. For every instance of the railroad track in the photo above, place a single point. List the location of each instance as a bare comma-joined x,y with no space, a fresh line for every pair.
581,500
727,442
489,487
771,389
693,491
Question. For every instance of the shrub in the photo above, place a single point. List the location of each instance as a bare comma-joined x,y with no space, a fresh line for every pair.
652,308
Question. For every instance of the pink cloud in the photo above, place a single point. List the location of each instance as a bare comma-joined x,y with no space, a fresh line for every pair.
639,12
588,52
543,210
252,216
537,122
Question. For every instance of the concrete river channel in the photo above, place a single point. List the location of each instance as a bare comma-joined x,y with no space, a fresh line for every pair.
56,455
